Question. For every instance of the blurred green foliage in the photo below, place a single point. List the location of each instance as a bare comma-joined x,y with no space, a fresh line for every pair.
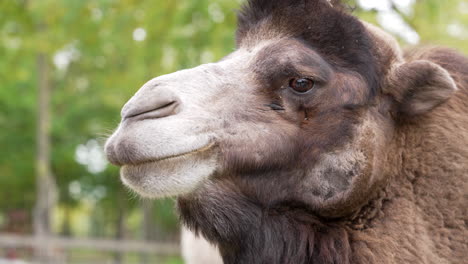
99,62
101,53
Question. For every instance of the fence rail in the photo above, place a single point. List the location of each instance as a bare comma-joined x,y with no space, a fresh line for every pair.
11,240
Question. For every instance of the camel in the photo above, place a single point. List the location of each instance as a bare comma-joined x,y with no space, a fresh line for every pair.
318,140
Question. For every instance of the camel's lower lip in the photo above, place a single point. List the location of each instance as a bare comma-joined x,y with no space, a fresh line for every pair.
171,175
154,160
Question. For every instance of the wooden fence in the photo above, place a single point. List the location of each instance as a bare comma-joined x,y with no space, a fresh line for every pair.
61,244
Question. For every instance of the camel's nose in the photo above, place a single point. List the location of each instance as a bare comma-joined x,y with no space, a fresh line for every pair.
151,101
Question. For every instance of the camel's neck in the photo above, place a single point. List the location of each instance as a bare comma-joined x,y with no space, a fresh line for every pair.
291,237
246,233
428,181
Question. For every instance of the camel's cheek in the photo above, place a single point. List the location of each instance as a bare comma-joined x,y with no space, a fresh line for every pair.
264,145
342,181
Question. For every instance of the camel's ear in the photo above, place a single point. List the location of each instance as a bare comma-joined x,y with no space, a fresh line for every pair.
419,86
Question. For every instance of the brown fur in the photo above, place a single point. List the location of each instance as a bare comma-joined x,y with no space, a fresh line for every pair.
368,166
419,216
416,216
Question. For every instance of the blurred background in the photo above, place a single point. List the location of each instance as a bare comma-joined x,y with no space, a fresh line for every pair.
66,69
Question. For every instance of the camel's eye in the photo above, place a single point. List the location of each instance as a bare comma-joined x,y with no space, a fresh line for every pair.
301,85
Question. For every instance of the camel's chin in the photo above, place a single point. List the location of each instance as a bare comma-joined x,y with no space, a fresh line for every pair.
171,177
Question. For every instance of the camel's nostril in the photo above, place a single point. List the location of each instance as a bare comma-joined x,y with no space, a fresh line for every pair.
167,109
151,102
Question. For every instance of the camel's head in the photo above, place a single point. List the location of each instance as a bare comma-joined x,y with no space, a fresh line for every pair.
304,111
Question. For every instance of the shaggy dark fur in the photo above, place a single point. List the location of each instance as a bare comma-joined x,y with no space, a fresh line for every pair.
247,232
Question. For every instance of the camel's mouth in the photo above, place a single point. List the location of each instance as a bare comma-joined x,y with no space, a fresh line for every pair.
171,175
207,147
